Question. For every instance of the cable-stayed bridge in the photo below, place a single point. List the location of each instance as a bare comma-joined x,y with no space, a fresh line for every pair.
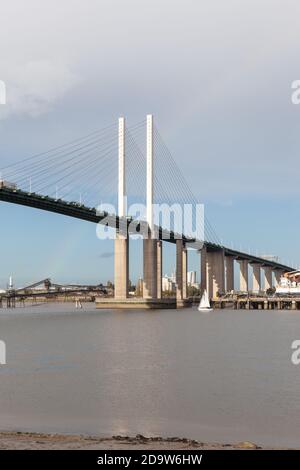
120,167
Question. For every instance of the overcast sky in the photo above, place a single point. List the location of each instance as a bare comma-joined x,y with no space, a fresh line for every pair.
216,75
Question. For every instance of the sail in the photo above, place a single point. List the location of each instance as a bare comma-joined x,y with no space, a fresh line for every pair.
204,302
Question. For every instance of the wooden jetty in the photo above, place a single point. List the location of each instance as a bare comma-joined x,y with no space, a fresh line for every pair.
253,302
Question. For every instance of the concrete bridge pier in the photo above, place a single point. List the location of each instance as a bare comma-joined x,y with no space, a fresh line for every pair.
215,272
150,269
150,244
268,277
152,266
229,262
121,240
244,281
256,280
159,269
121,267
181,273
278,273
203,271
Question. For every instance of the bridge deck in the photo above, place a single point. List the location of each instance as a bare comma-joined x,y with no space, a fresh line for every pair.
90,214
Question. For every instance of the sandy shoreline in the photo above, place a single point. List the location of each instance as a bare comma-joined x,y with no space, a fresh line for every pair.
36,441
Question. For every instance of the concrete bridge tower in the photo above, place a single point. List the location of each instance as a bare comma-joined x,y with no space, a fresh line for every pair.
122,239
150,243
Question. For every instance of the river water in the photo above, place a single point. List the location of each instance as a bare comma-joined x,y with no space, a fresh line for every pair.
225,376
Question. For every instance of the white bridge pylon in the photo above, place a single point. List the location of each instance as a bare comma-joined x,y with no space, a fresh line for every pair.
152,248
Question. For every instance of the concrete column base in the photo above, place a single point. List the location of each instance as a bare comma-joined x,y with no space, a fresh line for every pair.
203,272
150,269
183,303
278,275
215,273
121,267
136,303
256,282
181,271
159,269
244,287
229,273
268,277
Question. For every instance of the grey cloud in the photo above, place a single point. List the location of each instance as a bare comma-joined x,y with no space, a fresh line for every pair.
215,74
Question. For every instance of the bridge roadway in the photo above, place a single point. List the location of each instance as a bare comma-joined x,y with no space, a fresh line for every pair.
79,211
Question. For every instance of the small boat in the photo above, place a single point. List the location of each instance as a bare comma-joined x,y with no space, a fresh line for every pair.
204,305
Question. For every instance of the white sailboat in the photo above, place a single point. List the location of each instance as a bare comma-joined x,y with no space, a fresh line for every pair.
204,305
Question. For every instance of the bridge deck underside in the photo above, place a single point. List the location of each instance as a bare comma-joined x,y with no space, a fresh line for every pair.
92,215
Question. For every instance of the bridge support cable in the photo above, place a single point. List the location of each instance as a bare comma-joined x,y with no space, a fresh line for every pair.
86,168
176,183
